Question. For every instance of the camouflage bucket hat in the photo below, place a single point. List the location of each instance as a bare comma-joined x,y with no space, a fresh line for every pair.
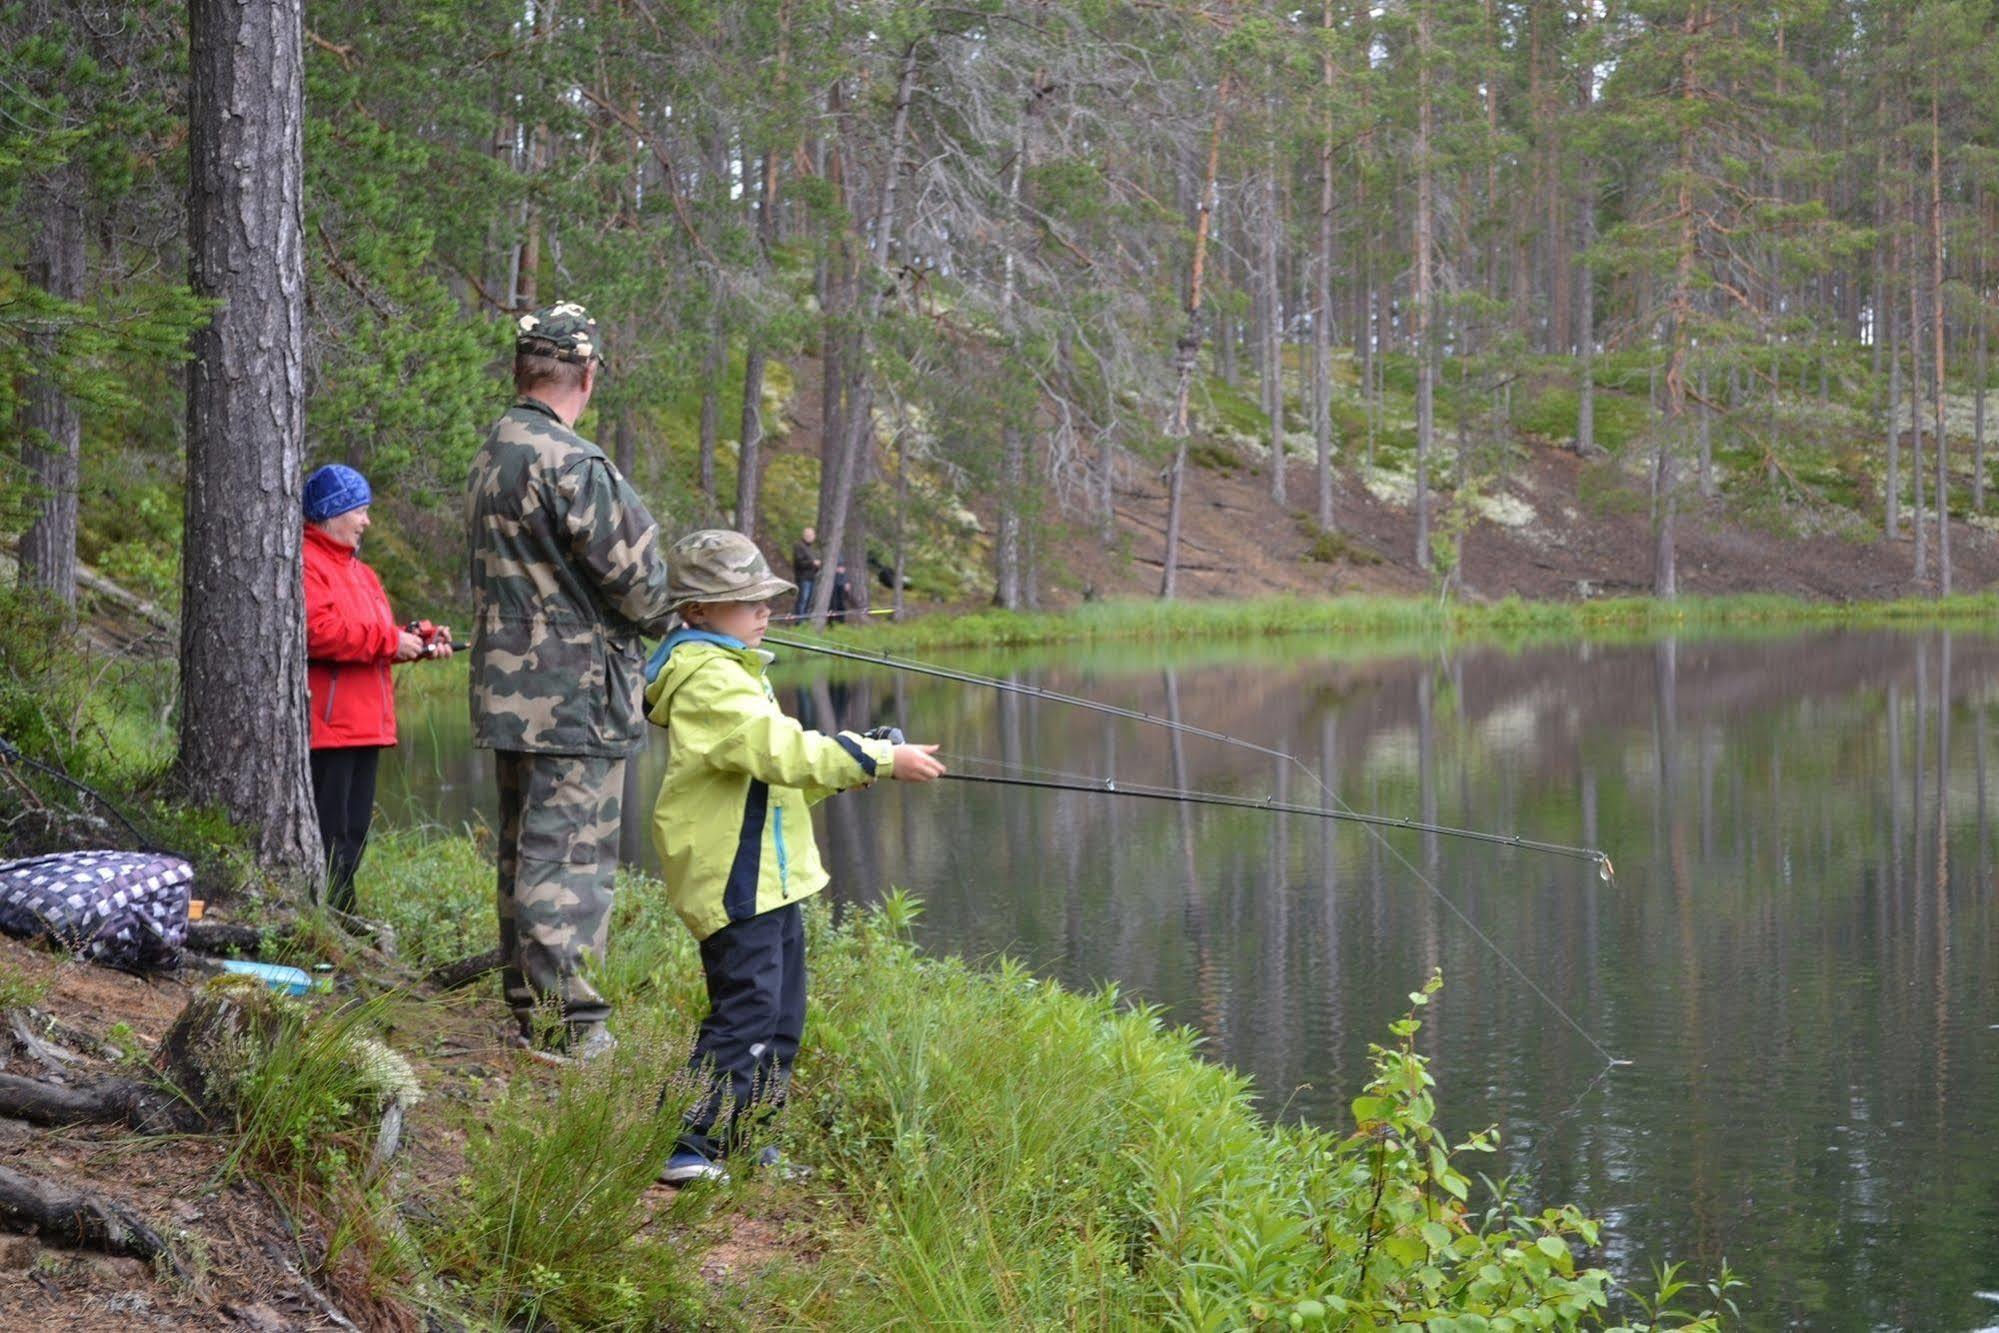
719,565
564,331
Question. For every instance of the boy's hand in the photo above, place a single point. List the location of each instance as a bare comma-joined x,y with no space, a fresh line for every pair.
916,763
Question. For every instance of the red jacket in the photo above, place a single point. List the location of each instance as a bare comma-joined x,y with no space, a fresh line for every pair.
350,639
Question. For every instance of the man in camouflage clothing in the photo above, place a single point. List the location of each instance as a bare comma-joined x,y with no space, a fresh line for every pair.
567,574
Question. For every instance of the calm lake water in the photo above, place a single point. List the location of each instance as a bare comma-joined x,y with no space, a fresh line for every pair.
1799,955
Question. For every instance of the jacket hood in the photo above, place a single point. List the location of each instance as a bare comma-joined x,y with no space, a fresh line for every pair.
686,651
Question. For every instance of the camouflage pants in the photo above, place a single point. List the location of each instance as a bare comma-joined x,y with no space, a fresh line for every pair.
558,855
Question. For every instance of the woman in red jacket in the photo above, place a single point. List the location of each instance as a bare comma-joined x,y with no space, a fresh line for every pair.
351,638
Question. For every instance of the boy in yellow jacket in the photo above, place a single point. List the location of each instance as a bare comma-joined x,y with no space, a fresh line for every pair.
734,831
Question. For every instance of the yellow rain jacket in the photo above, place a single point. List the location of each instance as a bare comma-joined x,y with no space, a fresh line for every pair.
732,825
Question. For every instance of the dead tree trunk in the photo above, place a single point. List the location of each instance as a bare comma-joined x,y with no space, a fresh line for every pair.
1187,349
243,734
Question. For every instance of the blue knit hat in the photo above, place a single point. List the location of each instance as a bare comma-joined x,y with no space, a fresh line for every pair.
333,490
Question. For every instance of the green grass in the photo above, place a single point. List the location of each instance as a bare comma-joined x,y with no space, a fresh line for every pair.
1511,618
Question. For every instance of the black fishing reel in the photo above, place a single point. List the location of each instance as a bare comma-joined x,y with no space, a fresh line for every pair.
893,735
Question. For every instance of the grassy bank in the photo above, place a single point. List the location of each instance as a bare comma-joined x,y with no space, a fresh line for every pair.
1403,617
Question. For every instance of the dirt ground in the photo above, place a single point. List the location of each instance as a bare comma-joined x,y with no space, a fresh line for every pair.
250,1262
1238,541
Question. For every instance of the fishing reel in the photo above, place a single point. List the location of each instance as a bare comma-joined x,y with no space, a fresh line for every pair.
436,638
893,735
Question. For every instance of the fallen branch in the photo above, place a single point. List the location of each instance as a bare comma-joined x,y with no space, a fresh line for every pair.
77,1221
458,975
111,1101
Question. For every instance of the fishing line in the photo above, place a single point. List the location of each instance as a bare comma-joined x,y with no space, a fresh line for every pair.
1057,780
1372,823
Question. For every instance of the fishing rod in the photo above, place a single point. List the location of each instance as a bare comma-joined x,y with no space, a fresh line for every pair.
1111,787
834,615
1344,813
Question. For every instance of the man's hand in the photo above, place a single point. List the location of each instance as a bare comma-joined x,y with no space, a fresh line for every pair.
916,763
408,646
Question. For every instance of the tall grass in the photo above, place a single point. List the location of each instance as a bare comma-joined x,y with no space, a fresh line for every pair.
553,1202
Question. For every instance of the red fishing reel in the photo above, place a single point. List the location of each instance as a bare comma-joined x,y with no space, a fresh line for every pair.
436,638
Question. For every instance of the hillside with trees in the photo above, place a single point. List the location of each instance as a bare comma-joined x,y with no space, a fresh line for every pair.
1036,259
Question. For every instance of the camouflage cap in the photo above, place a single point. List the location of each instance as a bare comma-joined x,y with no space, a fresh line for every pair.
720,565
564,331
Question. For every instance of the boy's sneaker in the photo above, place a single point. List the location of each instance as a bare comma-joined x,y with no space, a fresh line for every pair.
592,1045
775,1162
687,1166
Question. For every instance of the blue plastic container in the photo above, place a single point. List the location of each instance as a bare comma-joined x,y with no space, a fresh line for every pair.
289,980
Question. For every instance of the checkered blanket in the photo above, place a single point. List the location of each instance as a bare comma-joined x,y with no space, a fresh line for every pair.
121,909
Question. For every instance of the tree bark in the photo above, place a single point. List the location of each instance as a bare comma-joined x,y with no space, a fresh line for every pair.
1665,580
711,399
1322,314
243,723
1893,483
1942,436
1426,372
52,429
1187,350
79,1221
1271,333
749,458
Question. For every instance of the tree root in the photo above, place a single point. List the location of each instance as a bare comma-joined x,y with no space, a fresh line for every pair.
77,1221
458,975
110,1101
224,939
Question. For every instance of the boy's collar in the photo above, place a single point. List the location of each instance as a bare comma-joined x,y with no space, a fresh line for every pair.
689,634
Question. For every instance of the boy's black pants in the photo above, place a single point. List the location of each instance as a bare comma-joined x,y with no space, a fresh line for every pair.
756,1015
343,792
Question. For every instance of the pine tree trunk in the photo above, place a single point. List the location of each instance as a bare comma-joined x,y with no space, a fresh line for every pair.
1322,314
1916,385
625,445
1273,353
1426,389
1894,479
1586,327
1978,422
749,460
1009,543
1187,350
52,429
1942,436
711,401
243,725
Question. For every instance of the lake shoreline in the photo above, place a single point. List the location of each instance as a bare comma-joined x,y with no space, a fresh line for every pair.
1508,618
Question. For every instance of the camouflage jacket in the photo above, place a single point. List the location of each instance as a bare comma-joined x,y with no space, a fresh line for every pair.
567,573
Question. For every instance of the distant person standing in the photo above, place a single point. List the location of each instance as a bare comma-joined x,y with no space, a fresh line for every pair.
567,575
805,567
843,593
351,637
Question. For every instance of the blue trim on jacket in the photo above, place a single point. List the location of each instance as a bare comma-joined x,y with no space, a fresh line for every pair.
687,634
